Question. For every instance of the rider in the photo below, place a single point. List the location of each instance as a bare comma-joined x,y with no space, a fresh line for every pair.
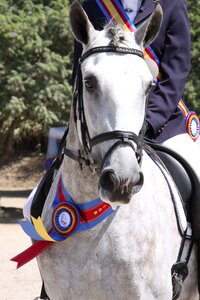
165,121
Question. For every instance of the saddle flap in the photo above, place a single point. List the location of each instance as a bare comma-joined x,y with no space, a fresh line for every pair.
179,175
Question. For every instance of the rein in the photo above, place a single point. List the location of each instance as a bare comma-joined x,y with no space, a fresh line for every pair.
122,137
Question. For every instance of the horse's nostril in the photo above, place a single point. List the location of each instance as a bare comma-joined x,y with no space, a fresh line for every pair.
109,181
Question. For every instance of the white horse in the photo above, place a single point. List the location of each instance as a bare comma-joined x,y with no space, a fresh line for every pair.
130,253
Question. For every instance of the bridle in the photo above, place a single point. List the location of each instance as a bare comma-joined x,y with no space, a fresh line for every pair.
122,137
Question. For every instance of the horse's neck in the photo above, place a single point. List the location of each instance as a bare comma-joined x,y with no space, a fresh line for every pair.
80,184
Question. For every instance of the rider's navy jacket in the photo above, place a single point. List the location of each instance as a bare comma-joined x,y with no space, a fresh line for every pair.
172,47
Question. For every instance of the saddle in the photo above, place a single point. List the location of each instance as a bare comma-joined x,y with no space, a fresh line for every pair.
186,181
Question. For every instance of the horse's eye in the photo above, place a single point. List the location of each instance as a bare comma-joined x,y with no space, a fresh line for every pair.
89,83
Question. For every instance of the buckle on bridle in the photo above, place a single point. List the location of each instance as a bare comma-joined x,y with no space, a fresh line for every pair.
82,160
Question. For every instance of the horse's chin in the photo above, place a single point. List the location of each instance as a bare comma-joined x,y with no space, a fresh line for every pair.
116,199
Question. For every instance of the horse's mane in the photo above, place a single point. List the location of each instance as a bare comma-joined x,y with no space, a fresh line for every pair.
116,33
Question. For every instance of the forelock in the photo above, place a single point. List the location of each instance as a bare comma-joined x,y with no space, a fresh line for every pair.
116,34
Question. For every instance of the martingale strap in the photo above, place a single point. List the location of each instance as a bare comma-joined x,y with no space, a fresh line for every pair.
113,10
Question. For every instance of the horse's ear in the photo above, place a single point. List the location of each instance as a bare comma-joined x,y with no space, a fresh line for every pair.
146,33
80,24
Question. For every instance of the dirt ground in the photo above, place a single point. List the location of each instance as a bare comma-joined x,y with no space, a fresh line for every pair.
22,172
17,176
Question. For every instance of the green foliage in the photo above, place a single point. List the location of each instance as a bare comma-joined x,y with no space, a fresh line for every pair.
192,91
35,67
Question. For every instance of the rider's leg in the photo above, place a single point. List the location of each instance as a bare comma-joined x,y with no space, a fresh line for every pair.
187,148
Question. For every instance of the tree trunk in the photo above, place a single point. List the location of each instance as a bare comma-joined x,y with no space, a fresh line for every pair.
7,147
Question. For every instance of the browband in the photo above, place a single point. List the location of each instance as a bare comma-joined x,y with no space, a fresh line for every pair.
113,49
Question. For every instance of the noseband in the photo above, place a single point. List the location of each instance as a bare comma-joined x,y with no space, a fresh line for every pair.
122,137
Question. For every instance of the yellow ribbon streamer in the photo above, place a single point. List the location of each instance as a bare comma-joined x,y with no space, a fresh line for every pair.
39,227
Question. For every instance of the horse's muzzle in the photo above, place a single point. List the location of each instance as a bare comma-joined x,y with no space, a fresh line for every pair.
116,189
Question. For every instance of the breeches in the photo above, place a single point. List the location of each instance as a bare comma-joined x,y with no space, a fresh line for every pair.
187,148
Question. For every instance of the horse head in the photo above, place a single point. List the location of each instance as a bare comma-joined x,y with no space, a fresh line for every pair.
112,84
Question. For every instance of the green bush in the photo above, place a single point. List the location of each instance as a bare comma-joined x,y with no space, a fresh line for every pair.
35,68
192,91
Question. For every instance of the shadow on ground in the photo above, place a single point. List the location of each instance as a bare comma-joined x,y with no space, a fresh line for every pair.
15,193
10,215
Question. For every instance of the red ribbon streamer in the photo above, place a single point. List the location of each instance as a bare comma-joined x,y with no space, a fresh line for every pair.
30,253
